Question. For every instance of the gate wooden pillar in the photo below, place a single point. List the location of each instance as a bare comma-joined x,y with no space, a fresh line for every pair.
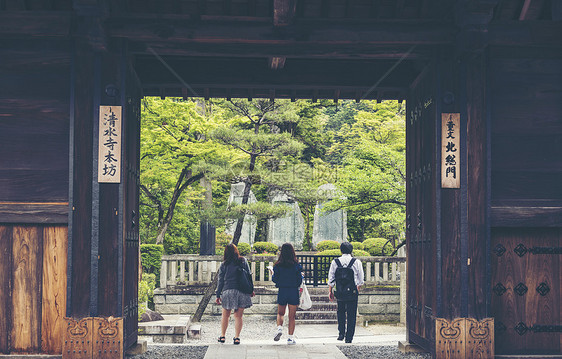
447,224
103,236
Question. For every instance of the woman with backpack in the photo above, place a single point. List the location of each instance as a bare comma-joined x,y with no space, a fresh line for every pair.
287,276
229,294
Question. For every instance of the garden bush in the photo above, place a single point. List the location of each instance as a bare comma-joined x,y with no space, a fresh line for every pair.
357,245
151,256
265,247
337,252
244,248
221,240
375,246
146,292
325,245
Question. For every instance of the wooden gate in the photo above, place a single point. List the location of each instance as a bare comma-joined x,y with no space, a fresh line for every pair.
526,290
131,212
420,209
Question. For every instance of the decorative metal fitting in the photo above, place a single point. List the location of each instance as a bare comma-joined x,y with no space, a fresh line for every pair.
521,328
520,250
499,289
543,289
499,250
520,289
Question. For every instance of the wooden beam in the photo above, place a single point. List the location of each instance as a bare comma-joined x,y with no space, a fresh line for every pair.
524,10
19,212
148,29
526,216
287,50
35,24
528,33
283,12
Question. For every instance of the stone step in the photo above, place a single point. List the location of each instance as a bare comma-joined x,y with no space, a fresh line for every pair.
316,321
320,299
171,330
320,306
316,315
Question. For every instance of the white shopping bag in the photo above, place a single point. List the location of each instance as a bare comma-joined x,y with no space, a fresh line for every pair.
305,301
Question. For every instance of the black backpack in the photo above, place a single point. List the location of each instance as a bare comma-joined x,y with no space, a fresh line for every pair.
345,281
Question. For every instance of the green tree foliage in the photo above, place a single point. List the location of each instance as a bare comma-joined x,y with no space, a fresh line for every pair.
151,254
372,174
175,151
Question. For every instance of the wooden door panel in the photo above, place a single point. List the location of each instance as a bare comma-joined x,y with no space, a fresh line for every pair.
526,290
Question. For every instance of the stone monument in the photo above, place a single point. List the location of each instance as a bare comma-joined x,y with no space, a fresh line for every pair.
249,226
328,225
287,229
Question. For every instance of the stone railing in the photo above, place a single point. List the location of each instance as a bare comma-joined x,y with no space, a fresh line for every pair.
191,269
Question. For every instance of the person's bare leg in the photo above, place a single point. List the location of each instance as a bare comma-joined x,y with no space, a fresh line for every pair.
224,321
238,322
280,314
292,315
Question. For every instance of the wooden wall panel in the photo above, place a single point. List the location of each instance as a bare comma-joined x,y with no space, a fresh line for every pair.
526,108
34,131
26,289
55,246
5,285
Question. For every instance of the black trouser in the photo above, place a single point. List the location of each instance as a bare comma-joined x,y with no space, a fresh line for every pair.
347,308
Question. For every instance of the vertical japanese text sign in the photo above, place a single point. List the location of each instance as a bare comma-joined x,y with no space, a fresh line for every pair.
109,149
450,150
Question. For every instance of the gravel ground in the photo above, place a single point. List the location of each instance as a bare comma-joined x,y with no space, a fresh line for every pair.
260,328
172,352
371,352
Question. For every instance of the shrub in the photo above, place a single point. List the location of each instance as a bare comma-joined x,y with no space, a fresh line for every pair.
357,245
329,252
337,252
375,246
325,245
360,253
244,248
221,240
265,247
146,292
151,256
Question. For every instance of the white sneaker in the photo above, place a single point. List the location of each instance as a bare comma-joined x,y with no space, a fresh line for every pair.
278,334
291,341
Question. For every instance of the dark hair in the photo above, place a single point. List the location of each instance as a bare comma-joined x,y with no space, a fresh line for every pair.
346,248
287,255
231,254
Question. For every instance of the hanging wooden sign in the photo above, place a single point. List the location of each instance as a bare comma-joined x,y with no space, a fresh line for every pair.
450,150
109,146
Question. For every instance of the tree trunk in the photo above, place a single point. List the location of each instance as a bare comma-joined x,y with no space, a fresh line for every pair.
235,239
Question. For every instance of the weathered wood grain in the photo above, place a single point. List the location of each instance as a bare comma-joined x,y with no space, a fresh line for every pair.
55,239
526,216
5,287
528,307
26,289
18,212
